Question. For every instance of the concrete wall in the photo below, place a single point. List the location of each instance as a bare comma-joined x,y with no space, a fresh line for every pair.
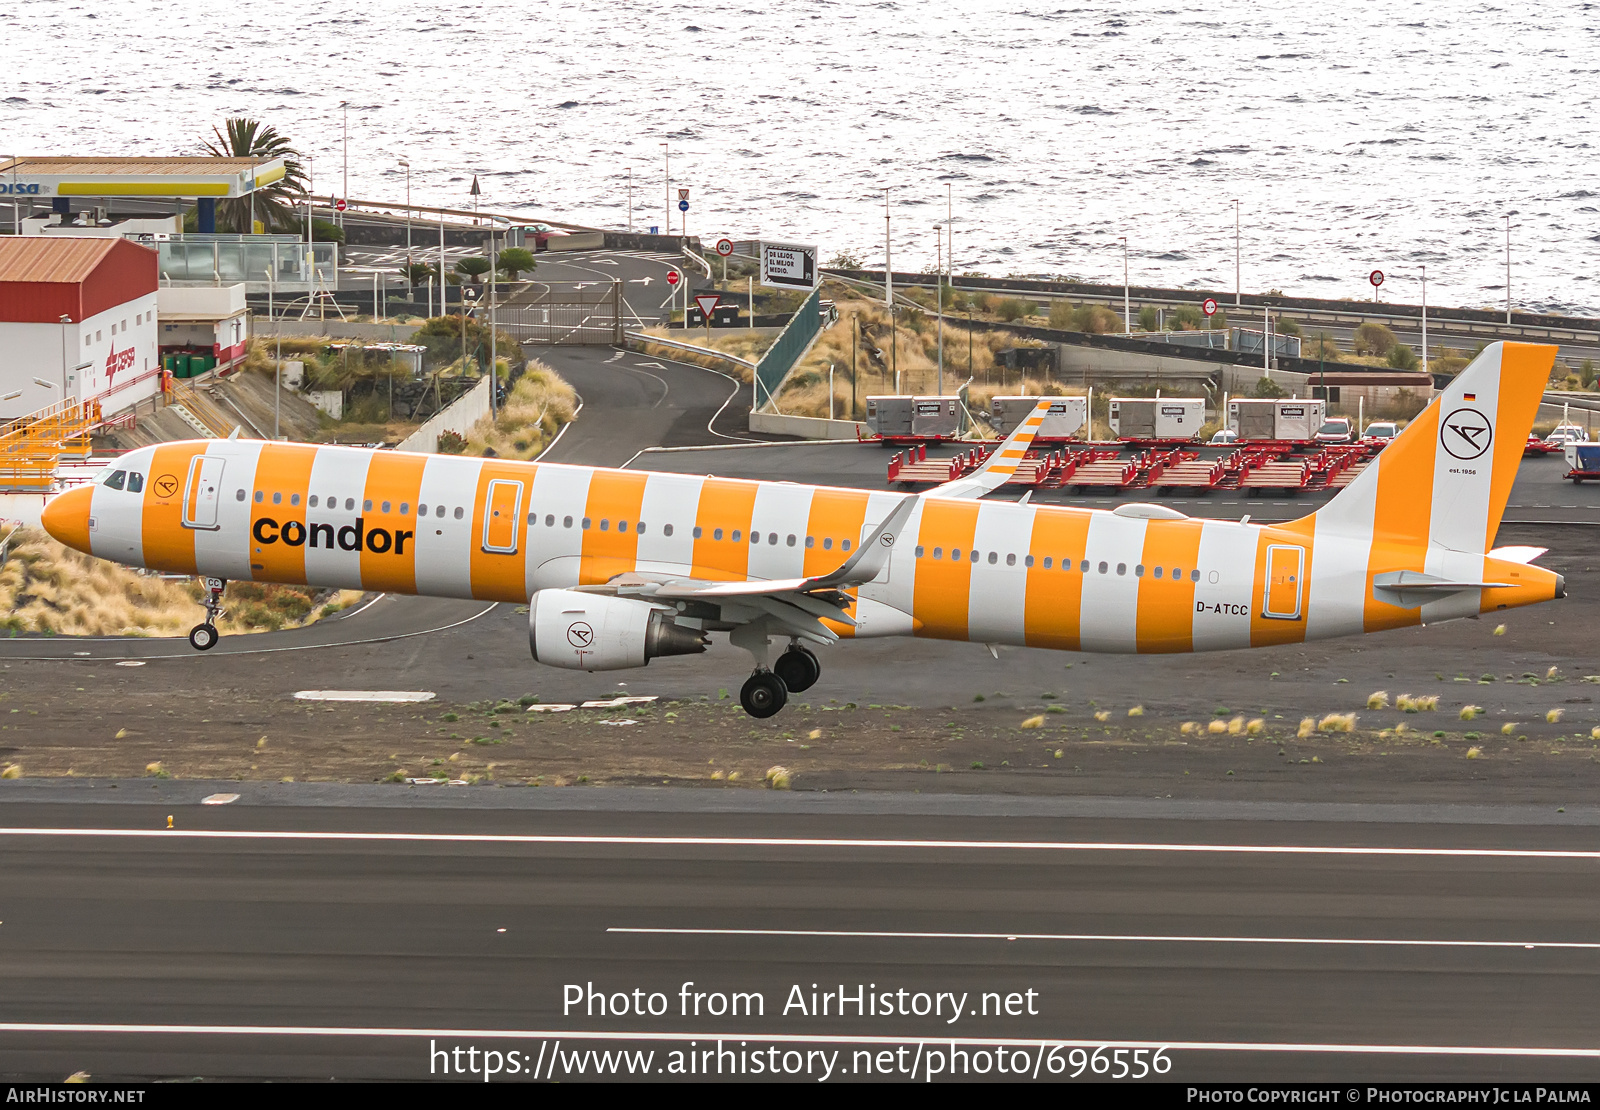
1075,364
333,329
458,417
807,427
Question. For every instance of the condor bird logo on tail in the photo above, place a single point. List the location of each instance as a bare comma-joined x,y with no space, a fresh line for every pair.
1466,434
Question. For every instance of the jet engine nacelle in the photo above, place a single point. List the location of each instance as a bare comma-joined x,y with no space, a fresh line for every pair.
597,632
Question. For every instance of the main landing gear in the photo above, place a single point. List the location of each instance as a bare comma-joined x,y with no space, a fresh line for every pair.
765,692
203,636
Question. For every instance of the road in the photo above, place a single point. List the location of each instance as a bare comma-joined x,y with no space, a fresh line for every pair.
1235,940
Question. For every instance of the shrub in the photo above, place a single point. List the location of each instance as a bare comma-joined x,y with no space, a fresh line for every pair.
1373,339
326,231
1286,326
1012,309
1470,712
844,260
1061,315
1186,318
1337,722
1379,700
1322,347
1266,387
451,443
1149,318
1402,357
473,266
1095,319
516,260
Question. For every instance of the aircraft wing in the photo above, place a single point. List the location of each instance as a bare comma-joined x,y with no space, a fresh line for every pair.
998,468
798,605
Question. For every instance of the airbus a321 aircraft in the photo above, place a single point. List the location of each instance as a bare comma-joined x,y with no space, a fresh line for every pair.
619,567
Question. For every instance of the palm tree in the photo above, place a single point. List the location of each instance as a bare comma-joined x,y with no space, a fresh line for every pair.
272,204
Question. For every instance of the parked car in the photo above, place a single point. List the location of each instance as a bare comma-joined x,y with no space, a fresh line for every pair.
1335,430
1380,432
1223,436
1567,433
538,235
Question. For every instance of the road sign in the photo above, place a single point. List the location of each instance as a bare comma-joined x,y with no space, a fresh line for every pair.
724,247
340,204
672,277
655,229
789,266
705,302
1208,306
1376,277
683,206
683,194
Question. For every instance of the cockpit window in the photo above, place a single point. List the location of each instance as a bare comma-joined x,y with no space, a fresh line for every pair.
118,477
135,482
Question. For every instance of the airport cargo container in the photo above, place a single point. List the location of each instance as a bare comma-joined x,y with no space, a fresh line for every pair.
1157,417
902,417
1276,418
1066,419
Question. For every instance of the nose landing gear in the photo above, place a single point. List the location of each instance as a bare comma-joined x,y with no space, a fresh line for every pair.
203,636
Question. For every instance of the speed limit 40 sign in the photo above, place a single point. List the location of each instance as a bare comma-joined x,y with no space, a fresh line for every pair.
724,247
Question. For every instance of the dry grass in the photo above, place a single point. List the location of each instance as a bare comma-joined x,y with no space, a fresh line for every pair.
538,407
46,587
1378,699
1216,728
1422,704
778,778
1470,712
1188,728
1308,725
1255,727
1034,722
746,344
1474,753
912,349
1554,716
1508,728
1337,722
1136,711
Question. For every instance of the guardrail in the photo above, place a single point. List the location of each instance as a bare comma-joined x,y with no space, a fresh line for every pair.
641,337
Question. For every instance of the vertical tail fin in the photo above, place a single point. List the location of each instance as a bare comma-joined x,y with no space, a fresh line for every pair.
1444,481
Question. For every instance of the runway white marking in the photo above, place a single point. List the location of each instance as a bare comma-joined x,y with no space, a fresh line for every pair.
79,1028
812,843
1138,938
219,799
365,695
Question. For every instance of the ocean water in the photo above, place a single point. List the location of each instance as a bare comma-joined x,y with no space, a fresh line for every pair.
1354,136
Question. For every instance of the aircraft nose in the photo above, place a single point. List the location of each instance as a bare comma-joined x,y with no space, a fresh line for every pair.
66,517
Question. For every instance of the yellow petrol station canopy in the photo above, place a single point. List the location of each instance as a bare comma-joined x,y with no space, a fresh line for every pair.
136,177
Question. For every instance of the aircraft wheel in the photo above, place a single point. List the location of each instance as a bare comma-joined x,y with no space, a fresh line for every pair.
203,637
798,668
763,694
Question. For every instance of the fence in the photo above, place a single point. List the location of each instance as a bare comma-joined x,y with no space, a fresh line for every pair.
780,358
582,312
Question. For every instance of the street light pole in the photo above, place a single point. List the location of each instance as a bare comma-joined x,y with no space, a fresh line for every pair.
938,286
666,154
1127,318
1508,267
1424,319
407,166
630,200
344,194
1237,285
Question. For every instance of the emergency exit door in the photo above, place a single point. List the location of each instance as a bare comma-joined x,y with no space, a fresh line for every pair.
1285,578
203,492
501,510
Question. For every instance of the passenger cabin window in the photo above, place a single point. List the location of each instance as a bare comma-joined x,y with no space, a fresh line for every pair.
239,495
438,510
844,545
311,502
459,512
666,529
118,477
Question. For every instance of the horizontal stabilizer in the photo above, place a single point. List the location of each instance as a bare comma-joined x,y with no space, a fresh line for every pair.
1411,589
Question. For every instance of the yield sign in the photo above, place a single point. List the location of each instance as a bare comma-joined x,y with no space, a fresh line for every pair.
706,302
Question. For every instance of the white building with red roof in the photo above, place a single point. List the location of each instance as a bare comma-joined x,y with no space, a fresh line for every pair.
77,320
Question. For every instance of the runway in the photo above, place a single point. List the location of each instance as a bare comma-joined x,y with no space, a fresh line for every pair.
1297,948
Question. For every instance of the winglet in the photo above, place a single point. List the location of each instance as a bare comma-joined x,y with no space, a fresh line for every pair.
998,468
874,551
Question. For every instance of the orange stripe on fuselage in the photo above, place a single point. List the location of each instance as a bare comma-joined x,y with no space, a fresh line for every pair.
168,545
611,545
1524,368
284,471
941,599
1402,513
394,479
497,576
1054,601
1266,630
728,505
1166,604
836,514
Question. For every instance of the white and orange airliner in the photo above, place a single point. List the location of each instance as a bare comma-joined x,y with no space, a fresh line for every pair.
619,567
